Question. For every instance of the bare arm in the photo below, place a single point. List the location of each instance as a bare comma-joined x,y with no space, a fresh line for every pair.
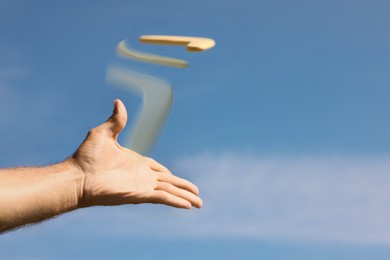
101,172
30,195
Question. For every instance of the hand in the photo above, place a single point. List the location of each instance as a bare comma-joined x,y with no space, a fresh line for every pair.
114,175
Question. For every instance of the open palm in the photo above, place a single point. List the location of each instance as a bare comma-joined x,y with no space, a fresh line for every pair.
116,175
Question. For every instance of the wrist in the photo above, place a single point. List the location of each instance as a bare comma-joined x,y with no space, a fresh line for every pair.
78,178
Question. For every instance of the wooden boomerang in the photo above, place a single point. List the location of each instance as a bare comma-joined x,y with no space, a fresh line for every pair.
157,94
192,44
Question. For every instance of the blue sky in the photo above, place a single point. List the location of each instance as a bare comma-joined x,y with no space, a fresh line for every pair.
283,125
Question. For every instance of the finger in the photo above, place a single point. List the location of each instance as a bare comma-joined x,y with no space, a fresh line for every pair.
163,197
178,182
188,196
155,166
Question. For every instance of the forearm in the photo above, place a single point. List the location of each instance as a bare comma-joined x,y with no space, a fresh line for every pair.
29,195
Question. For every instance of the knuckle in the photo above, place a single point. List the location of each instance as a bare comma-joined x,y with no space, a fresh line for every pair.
149,159
162,176
94,131
163,195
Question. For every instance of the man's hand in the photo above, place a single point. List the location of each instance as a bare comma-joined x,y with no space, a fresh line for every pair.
101,172
114,175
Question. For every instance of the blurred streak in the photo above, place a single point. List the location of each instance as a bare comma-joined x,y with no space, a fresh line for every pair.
157,100
157,94
124,51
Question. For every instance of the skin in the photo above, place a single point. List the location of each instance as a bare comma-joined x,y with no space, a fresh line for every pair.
100,172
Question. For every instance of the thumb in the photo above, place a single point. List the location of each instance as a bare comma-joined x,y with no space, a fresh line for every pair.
117,120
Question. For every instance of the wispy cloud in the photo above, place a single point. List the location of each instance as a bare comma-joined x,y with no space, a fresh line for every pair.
304,199
338,199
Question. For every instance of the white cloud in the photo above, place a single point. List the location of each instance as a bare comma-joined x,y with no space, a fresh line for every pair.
334,199
286,199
